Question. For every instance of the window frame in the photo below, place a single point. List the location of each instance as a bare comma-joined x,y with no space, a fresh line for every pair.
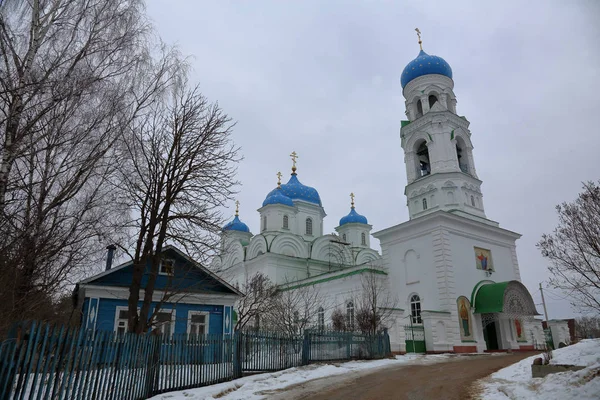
286,222
415,309
424,203
264,222
198,312
173,314
166,273
309,223
363,239
321,319
350,315
118,309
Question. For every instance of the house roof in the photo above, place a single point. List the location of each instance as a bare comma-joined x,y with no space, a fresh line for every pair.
165,249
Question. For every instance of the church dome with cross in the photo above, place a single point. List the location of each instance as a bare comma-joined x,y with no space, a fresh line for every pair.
236,224
293,190
424,64
353,217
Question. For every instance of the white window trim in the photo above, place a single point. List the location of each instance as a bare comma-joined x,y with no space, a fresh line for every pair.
173,313
194,312
116,323
166,273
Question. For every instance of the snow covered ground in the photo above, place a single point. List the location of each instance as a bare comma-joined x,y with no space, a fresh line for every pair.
257,387
515,381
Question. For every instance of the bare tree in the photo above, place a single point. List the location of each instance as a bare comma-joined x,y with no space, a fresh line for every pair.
587,327
574,249
258,300
338,320
181,171
73,74
374,305
295,310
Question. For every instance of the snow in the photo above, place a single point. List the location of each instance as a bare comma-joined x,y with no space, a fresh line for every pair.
515,381
257,387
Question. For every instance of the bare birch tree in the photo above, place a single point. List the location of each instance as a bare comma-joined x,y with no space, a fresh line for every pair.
258,300
73,74
374,305
573,249
181,170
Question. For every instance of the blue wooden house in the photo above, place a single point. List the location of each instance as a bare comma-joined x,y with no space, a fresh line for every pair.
192,299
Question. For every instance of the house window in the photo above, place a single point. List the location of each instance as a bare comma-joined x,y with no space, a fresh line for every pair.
197,323
264,227
166,267
424,204
363,239
309,230
121,320
164,322
321,319
285,222
415,309
350,315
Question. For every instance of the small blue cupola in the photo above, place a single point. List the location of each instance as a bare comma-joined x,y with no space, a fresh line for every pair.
294,189
236,224
353,217
277,197
425,64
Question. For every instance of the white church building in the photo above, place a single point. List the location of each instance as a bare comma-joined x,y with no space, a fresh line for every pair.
453,272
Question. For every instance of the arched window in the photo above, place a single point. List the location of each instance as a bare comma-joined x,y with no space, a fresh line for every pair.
423,158
285,222
344,237
419,109
350,315
321,319
415,309
264,227
473,201
363,239
424,204
432,101
309,226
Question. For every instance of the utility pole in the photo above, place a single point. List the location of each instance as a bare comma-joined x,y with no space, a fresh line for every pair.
544,303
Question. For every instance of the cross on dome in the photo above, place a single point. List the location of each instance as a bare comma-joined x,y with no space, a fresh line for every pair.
279,179
294,157
352,199
419,35
237,208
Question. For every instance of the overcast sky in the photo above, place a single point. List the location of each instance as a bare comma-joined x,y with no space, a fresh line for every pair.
322,78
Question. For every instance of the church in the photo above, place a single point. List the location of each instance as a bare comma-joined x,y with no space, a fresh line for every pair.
453,272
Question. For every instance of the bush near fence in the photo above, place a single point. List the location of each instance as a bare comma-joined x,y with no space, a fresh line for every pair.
40,361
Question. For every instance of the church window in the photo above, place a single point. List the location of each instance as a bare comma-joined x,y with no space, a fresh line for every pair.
432,100
462,161
344,237
419,109
350,315
473,201
423,159
363,239
415,309
309,230
321,319
285,222
424,204
264,227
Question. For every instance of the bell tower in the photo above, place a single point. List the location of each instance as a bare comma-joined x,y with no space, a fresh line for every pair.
438,153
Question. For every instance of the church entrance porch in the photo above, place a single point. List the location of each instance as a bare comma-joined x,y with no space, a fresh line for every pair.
506,312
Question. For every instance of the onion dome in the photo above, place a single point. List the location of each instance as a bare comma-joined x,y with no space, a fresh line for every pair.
353,217
425,64
293,190
236,224
277,197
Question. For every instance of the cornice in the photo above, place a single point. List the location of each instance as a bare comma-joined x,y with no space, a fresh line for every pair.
430,117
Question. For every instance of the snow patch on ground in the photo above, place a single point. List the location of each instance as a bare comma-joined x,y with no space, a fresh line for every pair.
257,387
515,381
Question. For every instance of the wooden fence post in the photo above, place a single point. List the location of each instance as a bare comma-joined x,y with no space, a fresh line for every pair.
153,366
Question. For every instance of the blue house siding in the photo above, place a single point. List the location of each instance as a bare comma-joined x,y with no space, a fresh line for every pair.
106,313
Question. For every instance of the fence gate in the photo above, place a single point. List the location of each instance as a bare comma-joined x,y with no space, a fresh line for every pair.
415,338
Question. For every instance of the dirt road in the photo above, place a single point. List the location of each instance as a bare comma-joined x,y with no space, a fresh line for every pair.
447,380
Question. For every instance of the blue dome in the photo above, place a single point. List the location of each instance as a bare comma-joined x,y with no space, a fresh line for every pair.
297,191
236,225
353,218
425,64
278,198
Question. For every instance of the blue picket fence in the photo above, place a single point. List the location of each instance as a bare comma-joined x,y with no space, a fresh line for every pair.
40,361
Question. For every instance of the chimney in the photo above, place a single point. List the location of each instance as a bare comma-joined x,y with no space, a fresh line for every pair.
109,257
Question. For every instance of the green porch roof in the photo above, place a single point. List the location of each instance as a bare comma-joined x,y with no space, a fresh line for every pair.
490,298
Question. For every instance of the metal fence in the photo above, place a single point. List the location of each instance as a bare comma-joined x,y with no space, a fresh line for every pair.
40,361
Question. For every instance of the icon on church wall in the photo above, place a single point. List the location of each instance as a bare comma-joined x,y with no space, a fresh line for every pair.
464,317
483,259
519,329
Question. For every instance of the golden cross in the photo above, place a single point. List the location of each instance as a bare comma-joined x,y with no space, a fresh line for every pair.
237,208
294,157
419,35
279,179
352,199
